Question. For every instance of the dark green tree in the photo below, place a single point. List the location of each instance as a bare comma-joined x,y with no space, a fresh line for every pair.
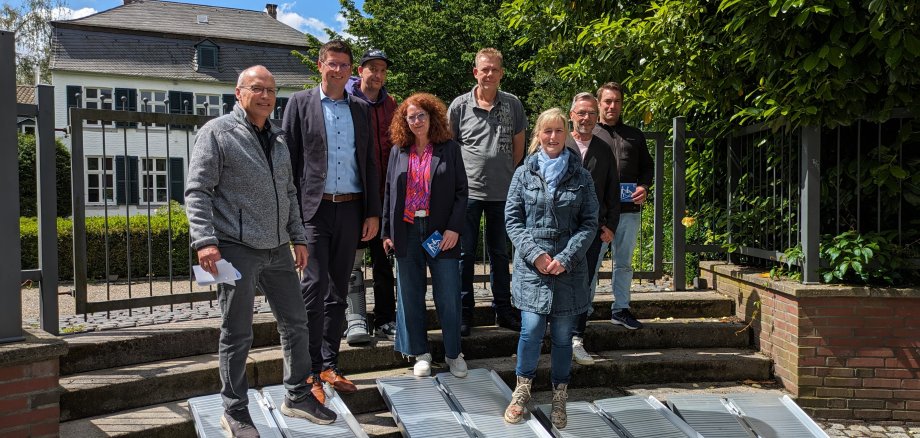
27,181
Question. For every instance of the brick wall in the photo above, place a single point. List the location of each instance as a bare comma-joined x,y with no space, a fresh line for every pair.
29,389
845,352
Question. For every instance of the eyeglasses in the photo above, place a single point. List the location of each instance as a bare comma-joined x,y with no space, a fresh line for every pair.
337,66
583,114
260,90
420,117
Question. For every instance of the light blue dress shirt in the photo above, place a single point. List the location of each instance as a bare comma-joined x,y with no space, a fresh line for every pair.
341,160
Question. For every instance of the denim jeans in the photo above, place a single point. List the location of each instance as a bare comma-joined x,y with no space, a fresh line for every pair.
595,256
272,271
497,248
411,313
624,244
533,327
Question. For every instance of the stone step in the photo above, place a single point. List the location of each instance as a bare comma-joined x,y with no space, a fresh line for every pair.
131,386
173,419
113,348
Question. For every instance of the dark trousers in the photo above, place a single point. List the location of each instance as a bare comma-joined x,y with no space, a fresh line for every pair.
332,239
384,284
591,256
497,248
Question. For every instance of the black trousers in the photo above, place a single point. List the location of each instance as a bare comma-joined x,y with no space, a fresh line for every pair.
332,239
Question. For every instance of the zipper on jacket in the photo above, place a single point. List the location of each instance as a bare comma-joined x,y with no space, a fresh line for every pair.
241,225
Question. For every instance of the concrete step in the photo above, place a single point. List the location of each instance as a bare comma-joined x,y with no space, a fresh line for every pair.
173,419
114,348
118,388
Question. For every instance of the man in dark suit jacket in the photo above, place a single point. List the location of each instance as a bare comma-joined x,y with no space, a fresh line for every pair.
332,155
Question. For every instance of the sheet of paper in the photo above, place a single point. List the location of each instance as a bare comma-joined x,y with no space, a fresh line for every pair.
226,273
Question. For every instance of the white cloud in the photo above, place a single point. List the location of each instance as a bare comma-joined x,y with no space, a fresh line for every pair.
65,13
343,26
311,25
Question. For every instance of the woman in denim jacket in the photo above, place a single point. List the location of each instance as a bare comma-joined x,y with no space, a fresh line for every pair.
551,218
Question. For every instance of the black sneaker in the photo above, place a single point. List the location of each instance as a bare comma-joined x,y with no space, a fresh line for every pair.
626,319
465,326
387,331
239,424
308,408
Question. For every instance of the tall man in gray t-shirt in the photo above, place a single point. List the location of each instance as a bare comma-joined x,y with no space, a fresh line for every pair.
489,125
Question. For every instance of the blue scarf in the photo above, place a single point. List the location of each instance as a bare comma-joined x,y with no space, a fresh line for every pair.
552,169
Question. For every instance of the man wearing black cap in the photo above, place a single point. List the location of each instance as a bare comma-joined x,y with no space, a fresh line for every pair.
369,86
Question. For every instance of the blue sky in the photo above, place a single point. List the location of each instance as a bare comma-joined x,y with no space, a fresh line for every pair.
308,16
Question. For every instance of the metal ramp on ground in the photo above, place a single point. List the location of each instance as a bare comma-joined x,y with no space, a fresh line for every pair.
207,410
644,417
585,421
446,406
745,416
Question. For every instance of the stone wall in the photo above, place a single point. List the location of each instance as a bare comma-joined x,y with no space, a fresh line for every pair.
845,352
29,389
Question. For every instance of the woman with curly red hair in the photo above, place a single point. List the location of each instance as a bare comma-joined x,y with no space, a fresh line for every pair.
424,206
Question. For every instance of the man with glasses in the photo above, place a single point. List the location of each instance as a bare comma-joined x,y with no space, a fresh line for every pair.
635,168
332,154
597,157
369,86
489,125
242,205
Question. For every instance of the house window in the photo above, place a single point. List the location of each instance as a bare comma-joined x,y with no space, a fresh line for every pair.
97,98
213,104
207,56
100,180
156,101
153,180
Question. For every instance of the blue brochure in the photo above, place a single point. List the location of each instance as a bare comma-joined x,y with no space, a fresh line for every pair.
626,191
432,245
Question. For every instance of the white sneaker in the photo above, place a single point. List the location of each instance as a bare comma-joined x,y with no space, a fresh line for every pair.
422,366
457,366
579,353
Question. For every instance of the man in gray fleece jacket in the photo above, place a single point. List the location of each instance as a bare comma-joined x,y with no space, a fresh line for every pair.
242,206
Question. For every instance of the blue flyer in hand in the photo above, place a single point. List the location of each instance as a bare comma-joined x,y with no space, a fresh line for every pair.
626,191
432,245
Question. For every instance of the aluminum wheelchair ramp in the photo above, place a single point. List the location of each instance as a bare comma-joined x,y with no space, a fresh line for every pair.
421,409
585,421
772,416
482,397
711,415
345,425
644,417
207,410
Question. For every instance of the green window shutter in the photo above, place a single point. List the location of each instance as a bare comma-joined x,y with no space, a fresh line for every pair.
126,178
229,101
181,102
177,179
129,104
74,98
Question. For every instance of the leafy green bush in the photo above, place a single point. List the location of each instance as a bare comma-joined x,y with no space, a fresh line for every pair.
111,243
868,258
27,173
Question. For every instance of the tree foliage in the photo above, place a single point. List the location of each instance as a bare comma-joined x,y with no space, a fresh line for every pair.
29,21
432,43
784,62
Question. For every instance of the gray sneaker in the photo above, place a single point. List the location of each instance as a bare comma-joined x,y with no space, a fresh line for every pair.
387,330
356,332
309,408
239,424
626,319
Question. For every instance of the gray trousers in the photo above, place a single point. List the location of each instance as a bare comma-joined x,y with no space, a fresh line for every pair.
272,271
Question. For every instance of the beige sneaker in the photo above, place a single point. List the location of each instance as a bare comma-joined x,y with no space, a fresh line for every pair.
581,356
519,399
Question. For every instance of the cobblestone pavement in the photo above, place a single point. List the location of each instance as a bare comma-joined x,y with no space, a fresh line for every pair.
72,323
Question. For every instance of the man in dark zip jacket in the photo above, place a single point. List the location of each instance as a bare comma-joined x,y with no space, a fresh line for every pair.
242,205
369,86
634,165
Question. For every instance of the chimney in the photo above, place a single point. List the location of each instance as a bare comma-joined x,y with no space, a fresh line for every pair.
271,8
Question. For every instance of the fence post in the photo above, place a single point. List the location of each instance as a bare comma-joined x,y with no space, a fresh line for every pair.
810,186
10,263
679,204
46,167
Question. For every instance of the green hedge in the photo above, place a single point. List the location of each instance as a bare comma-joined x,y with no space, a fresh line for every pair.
117,248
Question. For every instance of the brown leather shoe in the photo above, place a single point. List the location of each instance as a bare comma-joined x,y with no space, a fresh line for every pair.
317,388
335,378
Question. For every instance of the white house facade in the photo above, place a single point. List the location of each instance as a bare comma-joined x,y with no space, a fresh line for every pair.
163,57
